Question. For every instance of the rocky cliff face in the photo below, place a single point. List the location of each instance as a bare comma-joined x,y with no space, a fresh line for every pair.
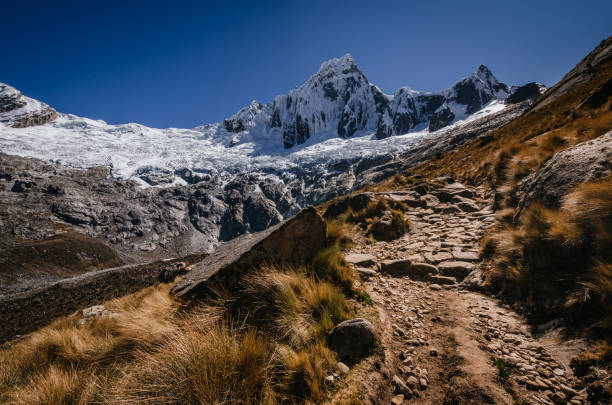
19,111
340,101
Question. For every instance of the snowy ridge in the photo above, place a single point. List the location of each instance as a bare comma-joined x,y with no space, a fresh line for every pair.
17,110
337,114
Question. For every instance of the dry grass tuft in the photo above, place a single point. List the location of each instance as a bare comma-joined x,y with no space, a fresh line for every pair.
329,265
204,362
559,262
265,345
296,308
339,234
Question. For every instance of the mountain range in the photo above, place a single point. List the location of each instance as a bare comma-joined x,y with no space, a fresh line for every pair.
337,101
334,134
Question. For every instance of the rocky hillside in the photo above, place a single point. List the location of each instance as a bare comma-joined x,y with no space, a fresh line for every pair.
41,200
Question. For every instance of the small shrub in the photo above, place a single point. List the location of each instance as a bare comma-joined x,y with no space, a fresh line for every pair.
329,265
504,370
363,297
372,210
338,234
304,372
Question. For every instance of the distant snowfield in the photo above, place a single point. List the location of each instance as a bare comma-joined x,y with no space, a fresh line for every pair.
83,142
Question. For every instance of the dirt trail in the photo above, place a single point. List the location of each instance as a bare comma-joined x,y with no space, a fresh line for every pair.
440,339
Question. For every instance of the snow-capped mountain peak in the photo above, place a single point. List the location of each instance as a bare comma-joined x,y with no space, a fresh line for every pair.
334,105
344,64
339,100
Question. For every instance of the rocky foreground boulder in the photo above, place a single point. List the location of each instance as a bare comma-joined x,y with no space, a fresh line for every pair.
587,161
292,242
352,339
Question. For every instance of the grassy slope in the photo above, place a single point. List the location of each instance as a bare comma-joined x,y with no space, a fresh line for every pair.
264,345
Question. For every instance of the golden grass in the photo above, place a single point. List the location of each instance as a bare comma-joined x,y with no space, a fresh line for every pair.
203,362
64,355
560,256
339,234
297,308
368,216
265,345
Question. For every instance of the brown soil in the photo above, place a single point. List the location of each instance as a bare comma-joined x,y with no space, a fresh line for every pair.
33,263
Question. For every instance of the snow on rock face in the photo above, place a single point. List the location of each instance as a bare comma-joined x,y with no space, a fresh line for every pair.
336,115
409,108
19,111
340,101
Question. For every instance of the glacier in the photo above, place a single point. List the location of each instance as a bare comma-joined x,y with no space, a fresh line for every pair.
336,115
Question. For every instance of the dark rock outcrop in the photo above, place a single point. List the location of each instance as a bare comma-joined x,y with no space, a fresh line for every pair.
527,92
583,72
293,241
440,119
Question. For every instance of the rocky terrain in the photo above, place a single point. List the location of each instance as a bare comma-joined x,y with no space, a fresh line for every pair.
414,280
43,199
444,341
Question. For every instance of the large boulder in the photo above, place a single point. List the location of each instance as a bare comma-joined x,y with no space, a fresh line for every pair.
352,339
587,161
292,242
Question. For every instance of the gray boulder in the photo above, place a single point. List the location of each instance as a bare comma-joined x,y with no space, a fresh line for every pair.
294,241
352,339
587,161
459,270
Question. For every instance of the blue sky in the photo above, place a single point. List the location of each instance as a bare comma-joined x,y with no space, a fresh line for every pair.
186,63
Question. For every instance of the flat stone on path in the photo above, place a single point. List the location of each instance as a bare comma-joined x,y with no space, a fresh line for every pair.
359,259
438,257
396,267
466,256
424,269
443,280
365,272
456,269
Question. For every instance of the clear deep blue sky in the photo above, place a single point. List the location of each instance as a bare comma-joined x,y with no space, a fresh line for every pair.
182,63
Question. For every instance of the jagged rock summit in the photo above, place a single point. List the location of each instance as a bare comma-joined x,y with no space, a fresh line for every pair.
18,111
340,101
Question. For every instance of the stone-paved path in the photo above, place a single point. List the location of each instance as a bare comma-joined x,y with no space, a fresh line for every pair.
441,340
